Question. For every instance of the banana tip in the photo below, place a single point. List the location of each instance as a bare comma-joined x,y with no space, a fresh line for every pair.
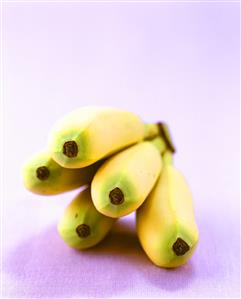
83,230
70,149
180,247
116,196
42,173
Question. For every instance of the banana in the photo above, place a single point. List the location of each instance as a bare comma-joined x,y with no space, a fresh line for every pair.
165,223
124,180
42,175
91,133
81,225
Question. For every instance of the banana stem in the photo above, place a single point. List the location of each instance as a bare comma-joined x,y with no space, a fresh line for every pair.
165,133
151,131
167,157
160,129
160,144
166,153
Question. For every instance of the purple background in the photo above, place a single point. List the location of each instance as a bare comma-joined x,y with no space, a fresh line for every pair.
173,62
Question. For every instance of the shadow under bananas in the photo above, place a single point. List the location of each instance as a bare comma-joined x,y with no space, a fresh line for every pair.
45,267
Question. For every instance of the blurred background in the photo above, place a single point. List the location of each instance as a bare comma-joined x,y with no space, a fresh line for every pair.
172,62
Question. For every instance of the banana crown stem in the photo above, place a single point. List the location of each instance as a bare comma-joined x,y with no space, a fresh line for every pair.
165,133
167,157
151,131
159,143
159,134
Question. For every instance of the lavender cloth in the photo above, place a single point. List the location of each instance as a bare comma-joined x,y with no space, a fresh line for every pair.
39,264
173,62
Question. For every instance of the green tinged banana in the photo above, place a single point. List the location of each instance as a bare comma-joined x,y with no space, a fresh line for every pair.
165,222
91,133
124,180
42,175
81,225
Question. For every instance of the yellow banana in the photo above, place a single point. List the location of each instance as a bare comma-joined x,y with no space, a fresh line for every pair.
124,180
165,222
81,225
42,175
91,133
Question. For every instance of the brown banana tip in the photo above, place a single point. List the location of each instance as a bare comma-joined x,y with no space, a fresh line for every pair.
180,247
83,230
42,173
70,149
116,196
163,133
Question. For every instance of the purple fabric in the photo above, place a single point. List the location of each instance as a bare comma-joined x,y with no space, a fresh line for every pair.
41,265
173,62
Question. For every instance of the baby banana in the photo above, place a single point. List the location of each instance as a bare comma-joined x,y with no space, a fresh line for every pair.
42,175
91,133
124,180
82,226
165,222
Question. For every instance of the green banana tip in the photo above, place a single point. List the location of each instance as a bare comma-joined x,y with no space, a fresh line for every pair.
180,247
116,196
83,230
42,173
70,149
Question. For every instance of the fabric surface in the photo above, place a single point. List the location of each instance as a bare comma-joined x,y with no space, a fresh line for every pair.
39,264
177,63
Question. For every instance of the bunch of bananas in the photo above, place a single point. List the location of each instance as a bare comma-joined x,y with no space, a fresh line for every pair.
127,166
